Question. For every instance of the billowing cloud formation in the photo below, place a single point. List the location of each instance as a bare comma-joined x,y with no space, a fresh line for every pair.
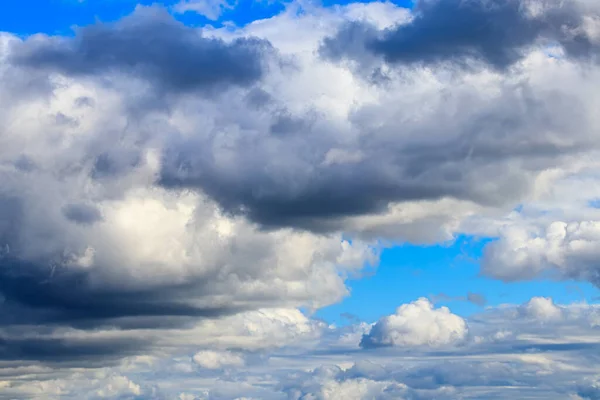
170,193
417,324
498,32
90,241
331,155
542,308
510,350
149,44
569,250
334,162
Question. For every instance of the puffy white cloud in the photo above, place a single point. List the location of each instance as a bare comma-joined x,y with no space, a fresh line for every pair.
541,308
218,359
252,330
417,324
541,358
101,384
566,249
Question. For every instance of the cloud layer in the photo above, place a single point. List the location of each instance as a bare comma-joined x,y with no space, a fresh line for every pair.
172,197
498,33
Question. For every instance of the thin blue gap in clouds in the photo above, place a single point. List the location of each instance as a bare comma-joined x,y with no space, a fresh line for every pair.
58,17
408,272
594,203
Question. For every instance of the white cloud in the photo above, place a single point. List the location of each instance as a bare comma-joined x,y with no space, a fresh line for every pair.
543,357
218,359
417,324
566,249
211,9
542,308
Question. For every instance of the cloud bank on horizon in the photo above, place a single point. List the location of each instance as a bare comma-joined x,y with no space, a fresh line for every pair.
177,201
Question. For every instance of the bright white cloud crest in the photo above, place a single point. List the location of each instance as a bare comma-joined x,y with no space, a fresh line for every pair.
417,324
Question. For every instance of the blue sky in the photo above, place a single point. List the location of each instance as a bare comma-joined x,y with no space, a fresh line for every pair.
408,271
32,16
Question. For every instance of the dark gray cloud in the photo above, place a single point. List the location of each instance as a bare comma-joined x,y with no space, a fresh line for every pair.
38,299
83,353
58,295
113,163
152,45
474,298
497,32
82,213
295,186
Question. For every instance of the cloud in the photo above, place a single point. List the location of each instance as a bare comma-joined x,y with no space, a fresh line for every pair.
82,213
417,324
498,33
560,248
323,151
211,9
589,389
168,192
345,160
542,308
151,45
542,358
214,360
474,298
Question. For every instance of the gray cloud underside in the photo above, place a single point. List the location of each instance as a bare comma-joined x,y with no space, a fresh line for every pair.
294,188
498,33
537,350
257,154
278,173
150,44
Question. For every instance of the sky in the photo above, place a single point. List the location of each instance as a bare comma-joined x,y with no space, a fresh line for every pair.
213,199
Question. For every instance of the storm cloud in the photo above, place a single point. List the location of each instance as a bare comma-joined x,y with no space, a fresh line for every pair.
498,33
149,44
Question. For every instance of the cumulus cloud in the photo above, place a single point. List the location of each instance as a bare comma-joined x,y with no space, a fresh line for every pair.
541,308
149,44
498,32
375,151
417,324
214,360
567,250
542,358
324,151
105,247
181,193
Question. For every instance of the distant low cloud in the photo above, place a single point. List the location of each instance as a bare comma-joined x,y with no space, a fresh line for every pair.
215,360
211,9
474,298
